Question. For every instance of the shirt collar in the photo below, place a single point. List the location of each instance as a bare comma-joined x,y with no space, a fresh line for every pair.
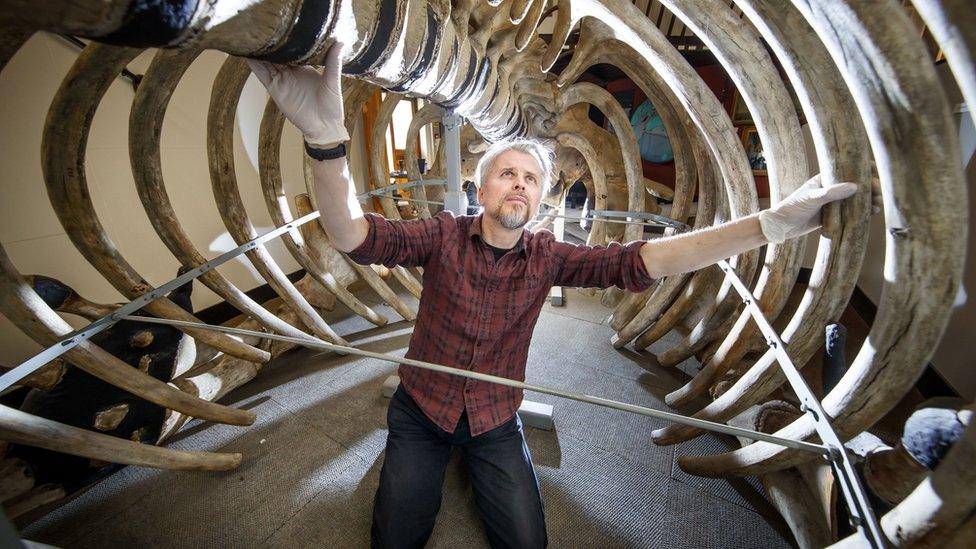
474,230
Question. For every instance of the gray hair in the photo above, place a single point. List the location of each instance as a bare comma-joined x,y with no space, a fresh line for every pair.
542,154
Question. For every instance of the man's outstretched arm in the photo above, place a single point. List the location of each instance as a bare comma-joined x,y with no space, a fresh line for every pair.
312,101
342,215
798,215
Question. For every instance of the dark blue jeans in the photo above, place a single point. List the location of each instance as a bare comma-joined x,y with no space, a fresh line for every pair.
417,452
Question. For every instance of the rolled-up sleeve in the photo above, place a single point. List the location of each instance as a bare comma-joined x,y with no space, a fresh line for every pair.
395,242
600,267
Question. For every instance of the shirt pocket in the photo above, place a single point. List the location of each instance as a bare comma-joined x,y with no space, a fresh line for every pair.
522,297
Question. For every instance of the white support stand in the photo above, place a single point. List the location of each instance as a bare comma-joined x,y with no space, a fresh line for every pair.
557,296
455,200
533,414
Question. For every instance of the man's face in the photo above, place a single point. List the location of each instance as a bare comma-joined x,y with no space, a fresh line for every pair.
512,189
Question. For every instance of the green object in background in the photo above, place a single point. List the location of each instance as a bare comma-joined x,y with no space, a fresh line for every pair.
651,136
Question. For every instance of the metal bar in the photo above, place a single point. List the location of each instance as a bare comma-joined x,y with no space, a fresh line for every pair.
71,340
618,221
454,198
862,515
399,187
639,215
405,199
672,224
315,343
134,79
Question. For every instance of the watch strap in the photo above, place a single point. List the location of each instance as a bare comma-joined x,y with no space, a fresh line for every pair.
338,151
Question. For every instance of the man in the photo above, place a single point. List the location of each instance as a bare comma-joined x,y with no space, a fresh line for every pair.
486,279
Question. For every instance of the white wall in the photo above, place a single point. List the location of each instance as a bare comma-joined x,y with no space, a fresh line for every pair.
29,229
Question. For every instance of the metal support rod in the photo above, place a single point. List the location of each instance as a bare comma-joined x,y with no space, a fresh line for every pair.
71,340
862,515
663,220
315,343
379,192
417,200
134,79
454,199
383,191
618,221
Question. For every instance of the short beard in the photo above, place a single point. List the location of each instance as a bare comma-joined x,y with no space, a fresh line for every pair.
512,220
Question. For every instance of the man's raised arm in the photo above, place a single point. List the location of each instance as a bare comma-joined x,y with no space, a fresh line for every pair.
798,215
312,101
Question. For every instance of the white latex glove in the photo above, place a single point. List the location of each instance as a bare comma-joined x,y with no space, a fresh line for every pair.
799,213
309,98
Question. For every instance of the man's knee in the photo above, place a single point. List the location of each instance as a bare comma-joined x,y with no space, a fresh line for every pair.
522,534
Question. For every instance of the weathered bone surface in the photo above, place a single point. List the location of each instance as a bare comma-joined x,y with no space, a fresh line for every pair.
862,77
842,149
924,193
64,172
799,494
277,202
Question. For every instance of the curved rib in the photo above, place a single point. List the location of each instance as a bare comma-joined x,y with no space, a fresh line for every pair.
314,233
940,510
710,201
220,154
585,92
924,190
269,166
700,104
743,55
381,179
22,306
576,141
597,45
843,155
63,157
427,114
22,428
145,129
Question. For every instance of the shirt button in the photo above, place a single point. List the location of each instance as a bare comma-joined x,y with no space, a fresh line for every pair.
478,344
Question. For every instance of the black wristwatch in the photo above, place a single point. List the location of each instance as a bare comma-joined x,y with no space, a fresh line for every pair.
326,154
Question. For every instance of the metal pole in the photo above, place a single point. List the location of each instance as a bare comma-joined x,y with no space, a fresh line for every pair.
316,343
454,199
861,512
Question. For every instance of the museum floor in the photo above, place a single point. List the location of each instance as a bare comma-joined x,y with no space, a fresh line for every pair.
312,460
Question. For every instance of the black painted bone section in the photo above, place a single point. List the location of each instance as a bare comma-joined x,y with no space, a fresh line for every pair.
152,23
79,396
311,25
432,40
382,40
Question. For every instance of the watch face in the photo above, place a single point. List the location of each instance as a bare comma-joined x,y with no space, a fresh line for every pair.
651,136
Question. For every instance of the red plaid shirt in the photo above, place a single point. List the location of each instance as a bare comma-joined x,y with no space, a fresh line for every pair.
477,314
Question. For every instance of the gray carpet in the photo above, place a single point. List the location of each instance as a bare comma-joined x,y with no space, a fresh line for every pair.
312,460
